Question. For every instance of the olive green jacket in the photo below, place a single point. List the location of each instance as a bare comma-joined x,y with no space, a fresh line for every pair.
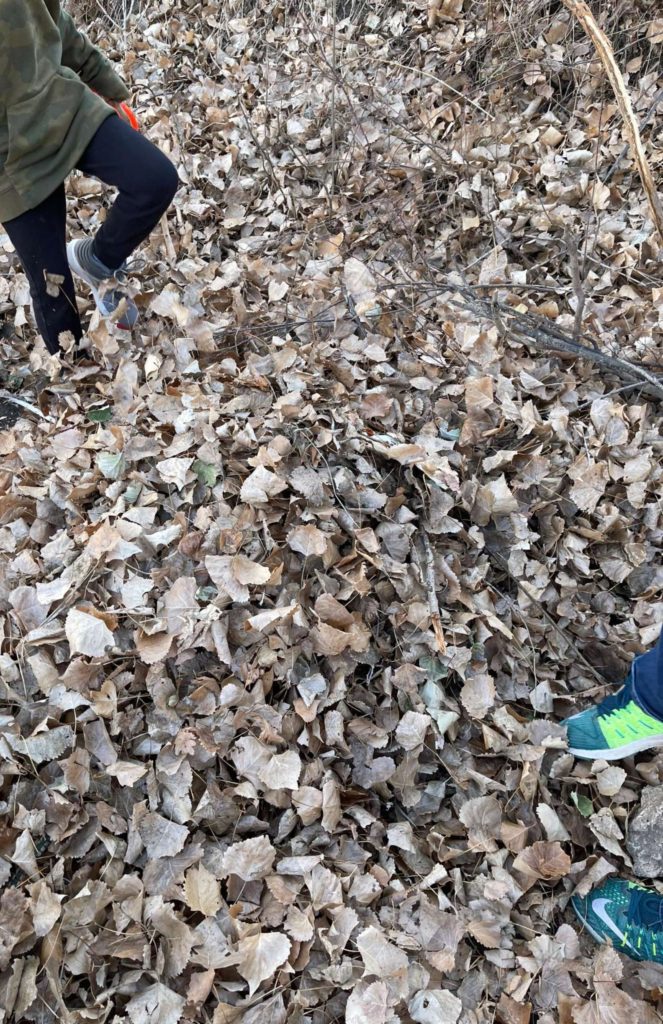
48,111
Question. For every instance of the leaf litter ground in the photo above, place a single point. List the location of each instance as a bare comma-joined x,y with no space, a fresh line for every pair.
297,584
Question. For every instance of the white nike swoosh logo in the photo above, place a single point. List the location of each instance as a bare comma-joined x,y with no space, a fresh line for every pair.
598,906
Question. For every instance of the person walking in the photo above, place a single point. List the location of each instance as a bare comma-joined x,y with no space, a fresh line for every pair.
63,107
625,914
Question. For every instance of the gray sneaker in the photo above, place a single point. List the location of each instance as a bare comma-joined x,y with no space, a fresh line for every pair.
97,277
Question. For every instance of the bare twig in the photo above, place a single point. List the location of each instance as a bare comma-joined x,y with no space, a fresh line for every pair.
428,566
576,279
168,239
332,186
581,11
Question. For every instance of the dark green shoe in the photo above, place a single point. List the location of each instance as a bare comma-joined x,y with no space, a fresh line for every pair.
625,915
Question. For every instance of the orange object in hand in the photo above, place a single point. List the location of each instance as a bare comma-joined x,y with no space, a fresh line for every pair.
127,114
122,110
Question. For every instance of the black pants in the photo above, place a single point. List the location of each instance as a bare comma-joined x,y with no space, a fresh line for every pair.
147,182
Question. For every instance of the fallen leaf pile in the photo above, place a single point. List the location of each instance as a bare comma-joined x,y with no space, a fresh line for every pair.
297,584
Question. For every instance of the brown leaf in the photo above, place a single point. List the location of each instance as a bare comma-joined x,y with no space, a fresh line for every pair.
542,861
511,1012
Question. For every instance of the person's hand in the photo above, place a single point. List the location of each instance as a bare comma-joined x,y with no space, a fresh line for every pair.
126,113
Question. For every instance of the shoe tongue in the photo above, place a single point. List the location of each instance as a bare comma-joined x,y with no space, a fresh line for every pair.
619,699
646,910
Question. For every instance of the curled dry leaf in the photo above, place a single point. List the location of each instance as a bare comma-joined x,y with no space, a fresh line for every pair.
542,861
554,829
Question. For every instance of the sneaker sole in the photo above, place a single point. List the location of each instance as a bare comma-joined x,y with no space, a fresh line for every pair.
617,753
92,285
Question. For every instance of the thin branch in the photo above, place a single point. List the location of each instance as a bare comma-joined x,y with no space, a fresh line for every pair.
576,279
332,188
428,567
547,338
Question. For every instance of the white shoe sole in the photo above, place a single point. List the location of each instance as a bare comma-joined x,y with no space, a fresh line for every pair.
618,753
92,284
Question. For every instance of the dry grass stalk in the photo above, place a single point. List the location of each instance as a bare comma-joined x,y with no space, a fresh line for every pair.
582,13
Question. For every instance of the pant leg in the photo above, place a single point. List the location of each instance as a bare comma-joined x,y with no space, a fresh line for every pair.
648,680
39,237
145,178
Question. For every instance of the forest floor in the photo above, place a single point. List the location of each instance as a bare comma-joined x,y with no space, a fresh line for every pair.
298,582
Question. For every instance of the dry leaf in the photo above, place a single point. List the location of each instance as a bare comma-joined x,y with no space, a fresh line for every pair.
383,960
361,286
554,829
157,1004
308,541
435,1006
369,1005
202,892
610,780
282,771
478,695
127,773
162,838
482,818
250,859
542,861
259,956
87,634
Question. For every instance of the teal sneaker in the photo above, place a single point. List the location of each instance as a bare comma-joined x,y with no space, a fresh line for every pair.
615,728
625,915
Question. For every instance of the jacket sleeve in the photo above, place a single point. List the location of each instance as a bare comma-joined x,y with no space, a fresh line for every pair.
89,63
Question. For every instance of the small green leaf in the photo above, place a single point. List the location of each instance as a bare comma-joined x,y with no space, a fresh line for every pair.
100,415
111,464
205,472
583,803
